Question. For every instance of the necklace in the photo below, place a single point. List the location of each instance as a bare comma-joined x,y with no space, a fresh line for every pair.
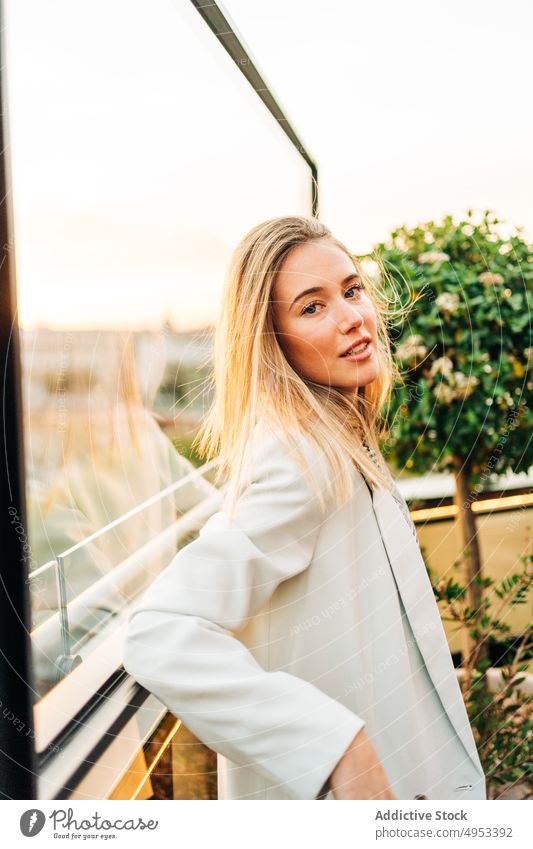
396,494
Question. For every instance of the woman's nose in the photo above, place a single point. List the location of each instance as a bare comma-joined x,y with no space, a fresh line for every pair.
348,316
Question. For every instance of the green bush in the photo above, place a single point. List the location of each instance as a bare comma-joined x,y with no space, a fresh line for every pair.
501,718
464,348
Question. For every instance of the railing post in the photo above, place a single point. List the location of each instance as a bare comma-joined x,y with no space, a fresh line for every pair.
66,662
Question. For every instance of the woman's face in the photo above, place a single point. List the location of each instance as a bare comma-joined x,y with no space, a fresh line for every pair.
320,311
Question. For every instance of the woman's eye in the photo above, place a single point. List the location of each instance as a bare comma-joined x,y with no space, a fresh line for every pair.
308,307
355,288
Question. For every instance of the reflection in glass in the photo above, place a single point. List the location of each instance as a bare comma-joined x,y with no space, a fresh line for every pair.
95,455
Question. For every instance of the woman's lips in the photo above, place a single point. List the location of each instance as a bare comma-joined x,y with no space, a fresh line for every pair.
363,355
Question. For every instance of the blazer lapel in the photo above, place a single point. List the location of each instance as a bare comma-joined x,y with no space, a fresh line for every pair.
415,589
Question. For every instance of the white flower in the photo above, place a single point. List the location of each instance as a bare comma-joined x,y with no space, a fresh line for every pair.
488,278
457,385
401,242
444,393
464,386
411,348
459,378
429,257
442,365
448,302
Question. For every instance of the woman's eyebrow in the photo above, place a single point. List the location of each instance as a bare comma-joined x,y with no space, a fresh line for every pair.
313,289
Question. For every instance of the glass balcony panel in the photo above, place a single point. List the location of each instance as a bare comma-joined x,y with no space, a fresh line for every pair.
140,155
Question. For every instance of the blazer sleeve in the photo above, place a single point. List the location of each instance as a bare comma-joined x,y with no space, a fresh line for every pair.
178,646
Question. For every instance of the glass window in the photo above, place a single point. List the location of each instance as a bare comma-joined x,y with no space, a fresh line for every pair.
140,156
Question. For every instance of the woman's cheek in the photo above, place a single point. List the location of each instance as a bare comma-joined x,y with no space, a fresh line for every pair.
321,340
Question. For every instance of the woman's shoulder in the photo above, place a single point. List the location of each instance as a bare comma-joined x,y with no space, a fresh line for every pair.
272,442
297,454
279,471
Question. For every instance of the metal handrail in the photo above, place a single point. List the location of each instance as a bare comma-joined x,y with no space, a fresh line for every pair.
101,652
200,472
220,23
53,639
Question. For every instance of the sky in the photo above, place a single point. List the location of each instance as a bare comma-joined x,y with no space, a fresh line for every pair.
140,156
412,109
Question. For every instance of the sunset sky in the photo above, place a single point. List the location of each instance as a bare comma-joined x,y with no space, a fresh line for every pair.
140,157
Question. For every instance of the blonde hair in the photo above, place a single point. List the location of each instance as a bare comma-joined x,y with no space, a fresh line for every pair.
252,378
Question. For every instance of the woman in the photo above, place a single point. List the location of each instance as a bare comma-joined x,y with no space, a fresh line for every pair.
298,635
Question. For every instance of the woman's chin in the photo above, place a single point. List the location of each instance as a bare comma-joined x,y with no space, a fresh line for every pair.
364,378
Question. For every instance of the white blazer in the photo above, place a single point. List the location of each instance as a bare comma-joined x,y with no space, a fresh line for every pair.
277,635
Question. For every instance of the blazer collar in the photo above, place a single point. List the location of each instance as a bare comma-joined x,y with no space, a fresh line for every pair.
415,590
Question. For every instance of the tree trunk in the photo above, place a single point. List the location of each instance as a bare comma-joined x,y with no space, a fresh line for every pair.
472,557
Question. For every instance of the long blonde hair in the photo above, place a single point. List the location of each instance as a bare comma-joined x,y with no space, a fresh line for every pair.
252,378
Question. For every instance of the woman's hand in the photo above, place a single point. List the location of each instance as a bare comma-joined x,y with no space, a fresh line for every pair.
359,774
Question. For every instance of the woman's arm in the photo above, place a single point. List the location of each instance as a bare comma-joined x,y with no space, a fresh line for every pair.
359,774
177,644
